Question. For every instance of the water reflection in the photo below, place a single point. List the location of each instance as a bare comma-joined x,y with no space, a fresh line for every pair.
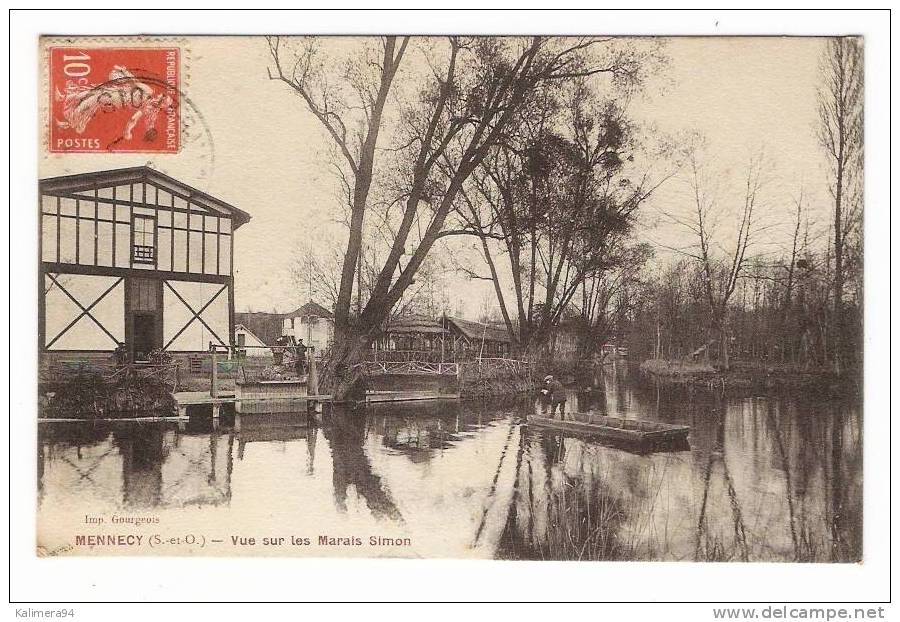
765,478
137,466
351,466
775,478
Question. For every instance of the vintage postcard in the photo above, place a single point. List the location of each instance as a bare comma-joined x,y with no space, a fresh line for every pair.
495,297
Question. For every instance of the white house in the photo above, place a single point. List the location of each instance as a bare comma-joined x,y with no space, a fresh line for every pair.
312,323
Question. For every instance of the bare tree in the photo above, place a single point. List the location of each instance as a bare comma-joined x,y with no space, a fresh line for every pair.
607,297
356,141
721,268
840,133
318,274
475,90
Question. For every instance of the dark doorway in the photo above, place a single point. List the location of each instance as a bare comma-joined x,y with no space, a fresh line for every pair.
143,324
144,336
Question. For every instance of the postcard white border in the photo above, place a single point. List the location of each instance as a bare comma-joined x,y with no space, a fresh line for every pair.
80,579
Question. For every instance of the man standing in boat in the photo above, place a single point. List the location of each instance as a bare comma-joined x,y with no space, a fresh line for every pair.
555,394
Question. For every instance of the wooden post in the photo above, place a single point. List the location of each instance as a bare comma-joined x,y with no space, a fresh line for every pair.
312,378
214,373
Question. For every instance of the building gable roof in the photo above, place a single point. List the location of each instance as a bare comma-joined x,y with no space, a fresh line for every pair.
414,324
265,326
477,330
311,308
114,177
238,327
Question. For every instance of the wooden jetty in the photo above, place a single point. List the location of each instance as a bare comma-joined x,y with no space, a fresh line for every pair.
617,429
266,396
183,399
267,389
252,392
379,397
151,419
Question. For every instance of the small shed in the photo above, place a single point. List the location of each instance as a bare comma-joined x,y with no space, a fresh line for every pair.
266,326
248,344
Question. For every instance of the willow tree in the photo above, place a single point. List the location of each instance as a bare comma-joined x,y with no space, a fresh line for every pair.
459,101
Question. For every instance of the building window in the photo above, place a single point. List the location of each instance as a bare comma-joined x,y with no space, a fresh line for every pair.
143,248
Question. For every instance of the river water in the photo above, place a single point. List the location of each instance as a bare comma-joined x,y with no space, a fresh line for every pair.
766,478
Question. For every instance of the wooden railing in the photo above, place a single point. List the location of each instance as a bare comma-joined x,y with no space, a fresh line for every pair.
414,368
429,356
409,367
404,356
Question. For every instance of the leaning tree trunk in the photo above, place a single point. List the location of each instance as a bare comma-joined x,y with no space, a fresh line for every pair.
343,376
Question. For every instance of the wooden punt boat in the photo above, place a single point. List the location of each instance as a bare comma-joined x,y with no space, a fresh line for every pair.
615,429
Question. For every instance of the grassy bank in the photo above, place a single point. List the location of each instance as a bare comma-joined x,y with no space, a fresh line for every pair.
87,394
485,380
743,376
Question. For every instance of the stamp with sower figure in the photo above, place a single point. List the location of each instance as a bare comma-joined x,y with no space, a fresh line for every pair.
123,99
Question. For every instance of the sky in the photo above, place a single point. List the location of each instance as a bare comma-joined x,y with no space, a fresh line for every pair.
255,146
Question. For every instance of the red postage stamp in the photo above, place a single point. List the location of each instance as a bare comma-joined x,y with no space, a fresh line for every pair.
114,99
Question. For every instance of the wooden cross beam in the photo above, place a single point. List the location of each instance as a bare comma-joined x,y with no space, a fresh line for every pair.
85,311
196,315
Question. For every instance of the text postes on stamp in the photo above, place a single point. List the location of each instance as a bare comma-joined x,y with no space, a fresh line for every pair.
114,99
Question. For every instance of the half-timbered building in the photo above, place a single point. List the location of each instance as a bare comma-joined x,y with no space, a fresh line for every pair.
134,257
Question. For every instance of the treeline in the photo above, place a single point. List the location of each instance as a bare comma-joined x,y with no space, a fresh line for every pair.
782,313
802,308
556,207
